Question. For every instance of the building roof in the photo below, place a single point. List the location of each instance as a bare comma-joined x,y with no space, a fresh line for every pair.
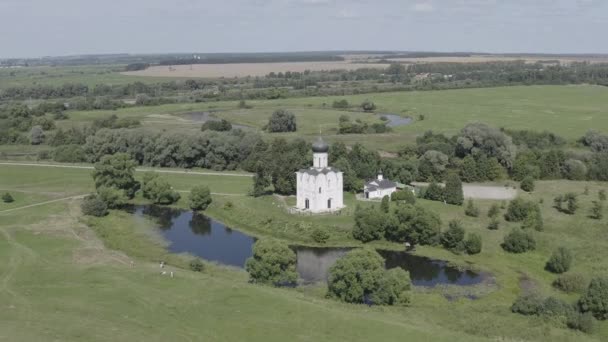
314,171
320,146
380,184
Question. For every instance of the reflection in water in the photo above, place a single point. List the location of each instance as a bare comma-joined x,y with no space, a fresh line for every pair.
211,240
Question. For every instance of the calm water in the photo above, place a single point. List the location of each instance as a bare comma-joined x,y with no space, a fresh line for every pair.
211,240
395,120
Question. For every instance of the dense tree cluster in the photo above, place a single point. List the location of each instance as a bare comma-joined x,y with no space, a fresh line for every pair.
281,121
158,190
272,263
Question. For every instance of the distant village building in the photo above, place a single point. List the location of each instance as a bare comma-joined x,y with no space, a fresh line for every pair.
319,188
379,187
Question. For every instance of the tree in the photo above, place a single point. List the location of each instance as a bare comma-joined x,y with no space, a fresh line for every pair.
272,263
597,210
480,139
453,190
527,184
471,210
200,198
158,189
93,205
393,288
432,165
413,224
453,238
405,196
319,235
340,104
494,211
571,203
214,125
533,219
494,224
116,171
575,169
368,224
518,241
112,197
260,181
472,245
560,261
7,198
282,121
385,205
36,135
434,192
356,276
368,106
595,298
518,209
468,169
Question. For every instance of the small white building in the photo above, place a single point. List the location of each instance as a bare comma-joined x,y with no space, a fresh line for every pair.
319,188
379,187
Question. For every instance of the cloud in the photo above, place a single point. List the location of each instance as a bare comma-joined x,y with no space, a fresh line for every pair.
423,7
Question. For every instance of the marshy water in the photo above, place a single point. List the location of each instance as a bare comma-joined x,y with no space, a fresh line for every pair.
204,237
394,120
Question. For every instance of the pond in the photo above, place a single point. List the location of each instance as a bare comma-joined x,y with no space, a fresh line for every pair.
395,120
206,238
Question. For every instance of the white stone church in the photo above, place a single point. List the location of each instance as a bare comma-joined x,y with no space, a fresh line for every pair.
320,187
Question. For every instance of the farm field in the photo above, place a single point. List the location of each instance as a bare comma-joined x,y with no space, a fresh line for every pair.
563,60
245,69
570,110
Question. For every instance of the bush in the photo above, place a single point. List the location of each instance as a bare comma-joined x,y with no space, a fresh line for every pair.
533,220
7,198
471,210
571,283
597,210
434,192
453,190
93,205
405,195
368,106
518,209
112,197
200,198
553,307
385,205
196,265
69,154
473,244
529,304
282,121
356,275
158,189
518,241
319,235
494,211
214,125
340,104
393,288
584,322
527,184
494,224
368,224
560,261
453,238
595,298
272,263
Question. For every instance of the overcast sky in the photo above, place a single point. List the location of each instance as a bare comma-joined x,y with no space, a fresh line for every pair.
32,28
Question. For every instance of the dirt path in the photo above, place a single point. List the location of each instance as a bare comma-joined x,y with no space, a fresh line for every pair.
137,170
42,203
489,192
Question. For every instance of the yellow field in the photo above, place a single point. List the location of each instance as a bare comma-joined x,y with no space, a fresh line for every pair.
245,69
494,58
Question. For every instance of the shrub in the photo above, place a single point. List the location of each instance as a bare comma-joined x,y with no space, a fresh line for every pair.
494,224
595,298
196,265
393,288
272,263
570,283
571,203
527,184
112,197
356,275
560,261
471,209
597,210
518,241
518,209
340,104
368,106
473,244
93,205
385,205
434,192
453,238
228,205
200,198
368,224
453,190
69,154
553,307
215,125
405,195
494,211
7,198
319,235
529,304
533,220
158,189
584,322
601,195
282,121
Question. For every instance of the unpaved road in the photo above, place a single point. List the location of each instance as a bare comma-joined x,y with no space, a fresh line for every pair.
475,191
138,169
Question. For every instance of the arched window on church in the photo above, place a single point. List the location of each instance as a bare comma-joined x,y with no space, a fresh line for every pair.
319,190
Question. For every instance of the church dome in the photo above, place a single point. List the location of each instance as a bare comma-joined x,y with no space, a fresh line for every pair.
320,146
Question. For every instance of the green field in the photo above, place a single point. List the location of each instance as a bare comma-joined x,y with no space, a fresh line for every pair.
57,269
568,111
